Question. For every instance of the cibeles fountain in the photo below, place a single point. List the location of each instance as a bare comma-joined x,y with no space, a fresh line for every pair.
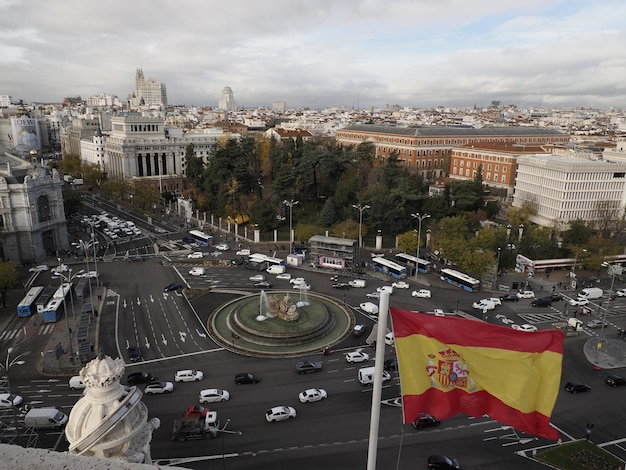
280,323
110,420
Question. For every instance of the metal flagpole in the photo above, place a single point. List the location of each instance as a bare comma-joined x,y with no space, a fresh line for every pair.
383,313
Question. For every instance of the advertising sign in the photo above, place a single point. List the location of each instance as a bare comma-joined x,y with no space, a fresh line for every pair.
25,133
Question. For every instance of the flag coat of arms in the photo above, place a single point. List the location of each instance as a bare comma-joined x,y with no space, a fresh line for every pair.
451,365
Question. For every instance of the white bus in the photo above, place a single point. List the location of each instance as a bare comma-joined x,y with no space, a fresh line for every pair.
389,267
460,279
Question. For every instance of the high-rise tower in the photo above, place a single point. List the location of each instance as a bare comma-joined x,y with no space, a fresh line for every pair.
227,102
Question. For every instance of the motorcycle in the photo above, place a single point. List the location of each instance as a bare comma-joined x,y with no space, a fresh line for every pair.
327,351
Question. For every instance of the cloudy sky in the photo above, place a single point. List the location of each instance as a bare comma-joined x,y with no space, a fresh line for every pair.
317,53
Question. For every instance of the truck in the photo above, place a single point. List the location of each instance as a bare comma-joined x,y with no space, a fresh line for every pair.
591,293
196,427
366,375
45,418
357,283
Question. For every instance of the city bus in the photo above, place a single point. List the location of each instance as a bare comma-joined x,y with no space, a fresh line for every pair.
28,305
411,261
389,267
201,238
54,308
460,279
45,298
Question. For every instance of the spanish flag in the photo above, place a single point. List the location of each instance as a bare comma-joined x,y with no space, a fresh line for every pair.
451,365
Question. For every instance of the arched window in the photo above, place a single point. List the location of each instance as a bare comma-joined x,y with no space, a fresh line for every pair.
43,209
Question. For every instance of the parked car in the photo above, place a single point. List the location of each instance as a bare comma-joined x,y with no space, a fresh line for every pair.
213,395
246,378
615,380
424,420
196,411
312,394
400,285
357,356
577,386
526,294
137,378
304,367
422,293
359,329
173,287
525,327
280,413
188,375
159,387
257,278
195,255
222,247
596,323
441,461
510,298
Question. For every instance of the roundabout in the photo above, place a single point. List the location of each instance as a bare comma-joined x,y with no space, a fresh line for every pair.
280,324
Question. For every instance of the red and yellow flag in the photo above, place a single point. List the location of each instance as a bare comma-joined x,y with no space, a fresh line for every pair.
451,365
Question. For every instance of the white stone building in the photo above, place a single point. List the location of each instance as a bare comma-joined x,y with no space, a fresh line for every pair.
564,189
92,150
227,101
149,92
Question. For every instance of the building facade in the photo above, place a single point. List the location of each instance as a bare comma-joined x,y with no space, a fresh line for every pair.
92,151
149,92
563,189
227,101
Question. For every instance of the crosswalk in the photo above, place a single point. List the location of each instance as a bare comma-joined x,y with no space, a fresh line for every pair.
542,317
44,329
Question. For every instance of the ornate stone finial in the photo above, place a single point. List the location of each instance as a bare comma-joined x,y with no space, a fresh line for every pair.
102,371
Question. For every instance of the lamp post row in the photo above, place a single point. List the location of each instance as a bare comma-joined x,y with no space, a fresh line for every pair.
420,218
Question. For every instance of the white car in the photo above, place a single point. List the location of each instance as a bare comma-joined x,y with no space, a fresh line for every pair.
90,275
280,413
297,280
373,295
423,293
159,387
244,252
188,375
60,268
400,285
8,400
195,255
196,271
524,327
302,286
357,356
283,276
578,302
213,395
619,293
382,289
76,383
493,300
312,394
389,340
257,278
484,305
38,269
526,294
222,247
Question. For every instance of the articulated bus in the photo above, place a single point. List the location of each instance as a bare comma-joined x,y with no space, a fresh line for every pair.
54,308
28,305
389,267
411,261
202,238
460,279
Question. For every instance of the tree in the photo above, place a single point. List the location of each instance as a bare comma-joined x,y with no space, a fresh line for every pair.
8,279
349,229
304,232
579,233
328,216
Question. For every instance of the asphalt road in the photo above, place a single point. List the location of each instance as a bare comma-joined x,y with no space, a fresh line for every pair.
332,433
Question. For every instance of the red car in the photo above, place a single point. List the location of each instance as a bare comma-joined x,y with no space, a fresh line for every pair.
197,411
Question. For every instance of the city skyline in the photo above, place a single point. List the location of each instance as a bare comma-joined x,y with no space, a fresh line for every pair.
359,54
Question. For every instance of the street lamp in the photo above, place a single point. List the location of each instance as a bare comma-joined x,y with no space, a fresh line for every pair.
497,268
17,360
290,203
419,235
360,208
68,280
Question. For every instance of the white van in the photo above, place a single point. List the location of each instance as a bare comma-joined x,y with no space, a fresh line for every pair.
366,375
76,383
369,307
276,269
45,418
197,271
591,293
357,283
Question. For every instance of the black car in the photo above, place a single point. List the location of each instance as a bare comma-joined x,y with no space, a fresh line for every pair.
390,364
510,298
543,302
139,378
577,386
424,420
265,284
304,367
246,378
359,329
555,297
173,287
615,380
134,354
341,285
441,461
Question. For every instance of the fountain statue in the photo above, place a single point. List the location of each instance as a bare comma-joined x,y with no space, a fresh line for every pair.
281,308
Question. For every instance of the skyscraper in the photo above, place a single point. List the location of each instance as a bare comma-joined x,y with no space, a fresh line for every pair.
149,92
227,102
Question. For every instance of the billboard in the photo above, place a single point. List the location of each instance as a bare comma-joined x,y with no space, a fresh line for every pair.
25,133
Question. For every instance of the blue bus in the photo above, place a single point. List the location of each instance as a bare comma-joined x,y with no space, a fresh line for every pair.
201,238
460,279
410,261
28,305
54,308
389,267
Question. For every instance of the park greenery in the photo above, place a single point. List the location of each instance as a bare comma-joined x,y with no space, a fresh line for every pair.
250,179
